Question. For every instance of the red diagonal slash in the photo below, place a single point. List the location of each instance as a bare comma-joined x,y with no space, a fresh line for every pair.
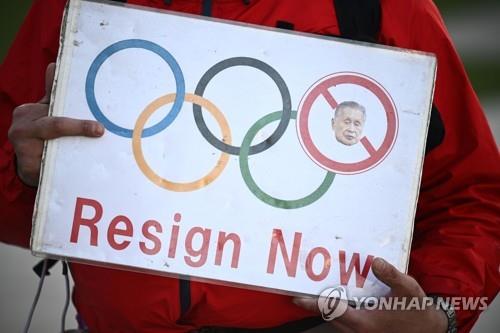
368,146
329,98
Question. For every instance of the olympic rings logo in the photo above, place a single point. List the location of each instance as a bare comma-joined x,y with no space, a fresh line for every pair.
225,145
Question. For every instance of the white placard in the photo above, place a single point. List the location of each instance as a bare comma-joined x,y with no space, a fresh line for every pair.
233,153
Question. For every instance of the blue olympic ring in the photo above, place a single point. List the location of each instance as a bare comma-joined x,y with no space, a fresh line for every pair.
141,44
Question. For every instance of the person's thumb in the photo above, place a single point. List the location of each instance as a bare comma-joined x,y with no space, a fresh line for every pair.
49,81
399,283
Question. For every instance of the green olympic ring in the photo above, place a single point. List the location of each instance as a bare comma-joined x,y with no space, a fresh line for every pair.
256,190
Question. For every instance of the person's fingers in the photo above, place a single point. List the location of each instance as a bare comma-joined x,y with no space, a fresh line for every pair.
28,157
308,303
399,283
339,327
29,148
346,317
29,111
49,80
24,121
29,171
355,319
387,273
54,127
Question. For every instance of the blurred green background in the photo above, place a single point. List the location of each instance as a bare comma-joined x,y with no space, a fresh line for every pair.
12,13
483,69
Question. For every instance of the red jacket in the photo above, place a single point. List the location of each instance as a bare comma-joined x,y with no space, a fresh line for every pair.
455,248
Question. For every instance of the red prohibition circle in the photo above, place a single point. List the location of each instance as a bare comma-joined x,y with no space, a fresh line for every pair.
320,88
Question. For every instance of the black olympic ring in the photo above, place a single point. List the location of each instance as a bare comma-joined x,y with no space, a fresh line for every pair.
285,96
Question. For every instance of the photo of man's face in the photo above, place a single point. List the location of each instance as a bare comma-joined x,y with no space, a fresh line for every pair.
348,123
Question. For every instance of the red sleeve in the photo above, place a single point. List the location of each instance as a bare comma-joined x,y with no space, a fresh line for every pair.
22,77
456,241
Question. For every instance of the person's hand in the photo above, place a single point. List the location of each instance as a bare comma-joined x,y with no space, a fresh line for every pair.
31,125
429,319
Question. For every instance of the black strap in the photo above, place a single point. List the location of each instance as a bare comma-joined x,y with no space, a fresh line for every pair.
435,135
359,19
38,268
285,25
206,8
184,296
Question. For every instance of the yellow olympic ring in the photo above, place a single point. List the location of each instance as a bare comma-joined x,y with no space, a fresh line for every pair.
143,165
